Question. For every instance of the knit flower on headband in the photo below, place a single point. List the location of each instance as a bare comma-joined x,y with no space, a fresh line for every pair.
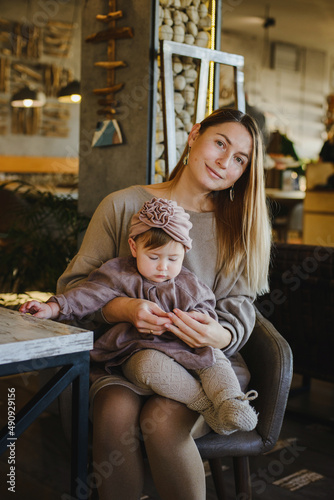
157,212
166,215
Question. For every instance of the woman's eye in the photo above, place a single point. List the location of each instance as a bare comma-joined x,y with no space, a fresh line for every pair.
220,143
152,257
239,160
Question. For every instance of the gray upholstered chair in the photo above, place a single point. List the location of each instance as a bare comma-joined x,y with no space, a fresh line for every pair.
269,359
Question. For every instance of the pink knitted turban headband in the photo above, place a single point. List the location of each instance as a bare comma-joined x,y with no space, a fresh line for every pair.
163,214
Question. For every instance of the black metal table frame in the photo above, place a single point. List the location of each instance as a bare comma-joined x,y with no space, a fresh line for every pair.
74,370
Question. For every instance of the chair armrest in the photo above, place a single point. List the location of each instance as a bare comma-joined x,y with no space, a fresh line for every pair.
269,359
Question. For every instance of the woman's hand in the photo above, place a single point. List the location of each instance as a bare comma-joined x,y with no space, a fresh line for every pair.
145,315
198,329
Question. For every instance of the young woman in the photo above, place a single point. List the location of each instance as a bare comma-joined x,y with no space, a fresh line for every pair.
219,181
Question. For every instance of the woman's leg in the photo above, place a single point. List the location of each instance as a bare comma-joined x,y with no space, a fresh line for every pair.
117,458
175,462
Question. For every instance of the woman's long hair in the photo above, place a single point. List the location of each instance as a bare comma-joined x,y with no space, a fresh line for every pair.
243,226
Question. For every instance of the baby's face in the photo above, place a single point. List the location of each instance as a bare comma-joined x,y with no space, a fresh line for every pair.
159,264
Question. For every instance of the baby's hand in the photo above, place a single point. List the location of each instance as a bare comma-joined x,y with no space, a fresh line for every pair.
39,309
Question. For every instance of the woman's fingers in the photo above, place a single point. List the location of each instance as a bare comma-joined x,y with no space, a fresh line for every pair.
156,310
193,320
200,317
150,318
189,337
199,330
187,328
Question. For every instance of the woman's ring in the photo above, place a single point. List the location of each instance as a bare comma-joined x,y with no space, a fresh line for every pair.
151,331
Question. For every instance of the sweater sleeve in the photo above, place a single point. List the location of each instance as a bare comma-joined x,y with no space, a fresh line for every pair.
235,311
89,296
98,246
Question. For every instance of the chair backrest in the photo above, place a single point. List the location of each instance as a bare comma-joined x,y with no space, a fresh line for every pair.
269,359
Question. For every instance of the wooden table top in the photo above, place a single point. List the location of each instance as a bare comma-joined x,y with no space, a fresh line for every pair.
23,337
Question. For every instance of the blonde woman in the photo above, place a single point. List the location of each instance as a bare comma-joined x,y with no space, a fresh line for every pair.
219,181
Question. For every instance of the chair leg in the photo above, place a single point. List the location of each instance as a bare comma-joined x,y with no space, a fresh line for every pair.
217,476
242,478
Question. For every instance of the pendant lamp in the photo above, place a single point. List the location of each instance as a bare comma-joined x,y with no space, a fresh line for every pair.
28,98
70,93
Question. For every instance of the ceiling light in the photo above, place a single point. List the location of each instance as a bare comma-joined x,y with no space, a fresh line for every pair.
27,98
70,93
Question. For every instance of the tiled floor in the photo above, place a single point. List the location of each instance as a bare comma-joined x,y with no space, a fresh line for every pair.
305,452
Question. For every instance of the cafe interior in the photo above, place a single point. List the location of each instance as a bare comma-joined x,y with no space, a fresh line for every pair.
100,95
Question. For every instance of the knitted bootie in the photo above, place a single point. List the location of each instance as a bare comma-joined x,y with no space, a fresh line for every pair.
205,407
237,414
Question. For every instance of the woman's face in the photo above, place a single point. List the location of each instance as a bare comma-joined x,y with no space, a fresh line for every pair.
219,156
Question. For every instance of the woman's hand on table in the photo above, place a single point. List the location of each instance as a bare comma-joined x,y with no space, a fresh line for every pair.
145,315
198,329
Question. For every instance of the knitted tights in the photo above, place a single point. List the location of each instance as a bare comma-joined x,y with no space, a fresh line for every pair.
154,369
217,395
219,381
119,468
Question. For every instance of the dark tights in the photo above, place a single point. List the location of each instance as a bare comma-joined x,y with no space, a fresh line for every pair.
165,425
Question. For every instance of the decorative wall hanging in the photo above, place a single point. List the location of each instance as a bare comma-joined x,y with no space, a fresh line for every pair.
22,46
57,39
4,113
107,133
107,94
20,39
4,74
55,120
26,120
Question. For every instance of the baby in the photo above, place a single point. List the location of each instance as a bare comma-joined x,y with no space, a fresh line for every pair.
202,378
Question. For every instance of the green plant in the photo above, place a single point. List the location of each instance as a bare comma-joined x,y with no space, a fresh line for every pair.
40,240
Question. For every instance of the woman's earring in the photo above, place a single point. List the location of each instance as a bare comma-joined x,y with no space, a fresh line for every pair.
186,158
232,192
